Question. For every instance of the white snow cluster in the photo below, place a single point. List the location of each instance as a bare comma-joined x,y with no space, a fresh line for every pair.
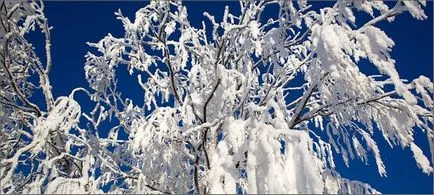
283,162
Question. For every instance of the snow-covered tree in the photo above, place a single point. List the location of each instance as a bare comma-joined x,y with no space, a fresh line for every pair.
35,143
251,102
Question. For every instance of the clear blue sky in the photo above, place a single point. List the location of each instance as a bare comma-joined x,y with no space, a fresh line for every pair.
76,23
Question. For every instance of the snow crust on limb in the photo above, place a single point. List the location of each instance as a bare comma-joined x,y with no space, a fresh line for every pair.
283,162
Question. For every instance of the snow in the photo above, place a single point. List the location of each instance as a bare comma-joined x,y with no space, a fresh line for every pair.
376,44
303,172
422,161
64,186
254,29
64,116
373,146
337,185
415,9
170,28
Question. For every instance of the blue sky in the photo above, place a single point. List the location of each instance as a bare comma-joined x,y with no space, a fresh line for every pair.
76,23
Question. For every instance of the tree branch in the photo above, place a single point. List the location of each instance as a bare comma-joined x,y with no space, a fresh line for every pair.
14,84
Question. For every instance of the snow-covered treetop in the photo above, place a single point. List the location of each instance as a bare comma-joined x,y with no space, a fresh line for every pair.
247,103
